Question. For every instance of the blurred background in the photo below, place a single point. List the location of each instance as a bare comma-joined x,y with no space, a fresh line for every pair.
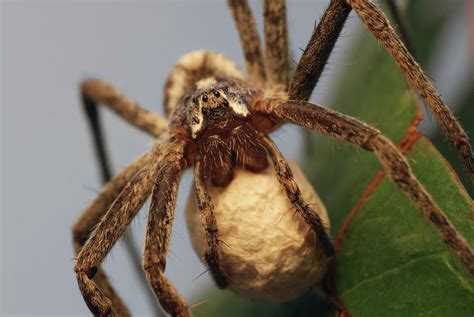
48,171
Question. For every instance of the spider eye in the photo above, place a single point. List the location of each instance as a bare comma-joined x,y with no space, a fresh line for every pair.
195,101
216,93
204,98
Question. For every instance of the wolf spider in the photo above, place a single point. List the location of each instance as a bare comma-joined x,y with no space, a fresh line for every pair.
216,121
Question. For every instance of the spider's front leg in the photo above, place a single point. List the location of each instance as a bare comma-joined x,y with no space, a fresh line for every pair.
94,92
322,42
337,125
376,22
84,225
209,223
158,232
110,229
285,177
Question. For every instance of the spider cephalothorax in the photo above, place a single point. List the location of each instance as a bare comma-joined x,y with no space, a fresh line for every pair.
219,127
218,124
216,105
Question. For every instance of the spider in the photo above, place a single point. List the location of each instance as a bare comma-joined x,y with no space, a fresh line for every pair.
217,121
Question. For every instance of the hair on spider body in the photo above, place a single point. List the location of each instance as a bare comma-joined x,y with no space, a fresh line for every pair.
220,131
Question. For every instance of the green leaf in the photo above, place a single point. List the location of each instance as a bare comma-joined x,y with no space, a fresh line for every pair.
226,303
392,262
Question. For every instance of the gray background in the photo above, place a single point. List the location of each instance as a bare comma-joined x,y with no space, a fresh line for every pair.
48,174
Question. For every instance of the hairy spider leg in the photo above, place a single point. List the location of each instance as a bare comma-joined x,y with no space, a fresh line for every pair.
158,232
250,41
209,223
376,22
87,221
110,228
286,179
94,92
276,44
337,125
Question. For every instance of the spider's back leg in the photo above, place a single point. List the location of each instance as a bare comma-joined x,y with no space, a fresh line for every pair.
318,50
250,41
276,43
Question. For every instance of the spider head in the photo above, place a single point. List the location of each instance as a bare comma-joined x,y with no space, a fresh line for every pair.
215,104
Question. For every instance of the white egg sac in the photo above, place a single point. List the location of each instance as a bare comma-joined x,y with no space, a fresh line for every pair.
267,250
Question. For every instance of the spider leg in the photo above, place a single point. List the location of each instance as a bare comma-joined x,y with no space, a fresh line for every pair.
110,229
337,125
209,223
276,43
92,216
97,91
376,22
322,42
316,53
400,24
285,177
160,219
249,39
